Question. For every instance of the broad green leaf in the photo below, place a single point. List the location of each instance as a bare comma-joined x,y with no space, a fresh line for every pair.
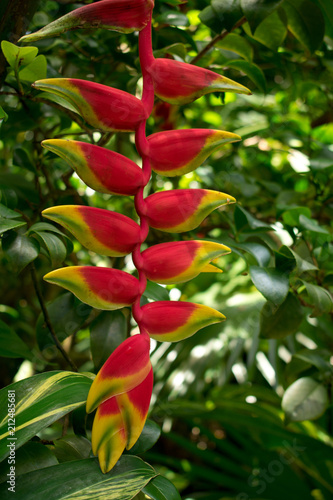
172,18
71,448
287,260
83,479
244,220
11,345
67,314
238,44
305,399
228,12
306,22
272,31
256,11
20,250
278,323
161,488
39,401
291,216
327,8
272,283
22,159
3,116
154,291
7,224
18,56
107,332
320,299
149,436
44,226
311,225
55,247
7,213
320,358
259,252
31,456
252,71
34,71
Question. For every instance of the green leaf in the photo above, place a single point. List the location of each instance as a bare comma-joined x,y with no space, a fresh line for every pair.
67,314
7,224
237,44
161,488
272,31
172,18
291,216
154,291
305,399
55,247
148,437
256,11
83,479
107,332
34,71
306,22
287,260
7,213
272,283
71,448
18,56
20,250
44,226
22,159
311,225
259,252
31,456
320,299
278,323
39,401
3,116
320,358
244,220
252,71
11,345
228,13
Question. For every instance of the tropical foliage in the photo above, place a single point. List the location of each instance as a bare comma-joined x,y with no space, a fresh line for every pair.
244,408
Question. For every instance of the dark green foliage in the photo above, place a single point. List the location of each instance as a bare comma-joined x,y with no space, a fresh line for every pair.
228,431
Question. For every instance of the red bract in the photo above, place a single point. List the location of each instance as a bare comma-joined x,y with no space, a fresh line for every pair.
99,230
180,83
102,107
101,169
125,16
177,152
181,210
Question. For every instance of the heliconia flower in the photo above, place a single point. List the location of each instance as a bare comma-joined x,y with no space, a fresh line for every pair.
181,261
102,107
124,16
102,231
100,287
180,83
119,422
101,169
125,369
177,152
181,210
173,321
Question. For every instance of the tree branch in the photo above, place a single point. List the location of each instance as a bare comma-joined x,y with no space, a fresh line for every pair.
216,39
47,318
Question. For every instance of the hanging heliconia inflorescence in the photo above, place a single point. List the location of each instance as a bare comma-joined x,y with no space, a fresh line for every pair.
122,389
